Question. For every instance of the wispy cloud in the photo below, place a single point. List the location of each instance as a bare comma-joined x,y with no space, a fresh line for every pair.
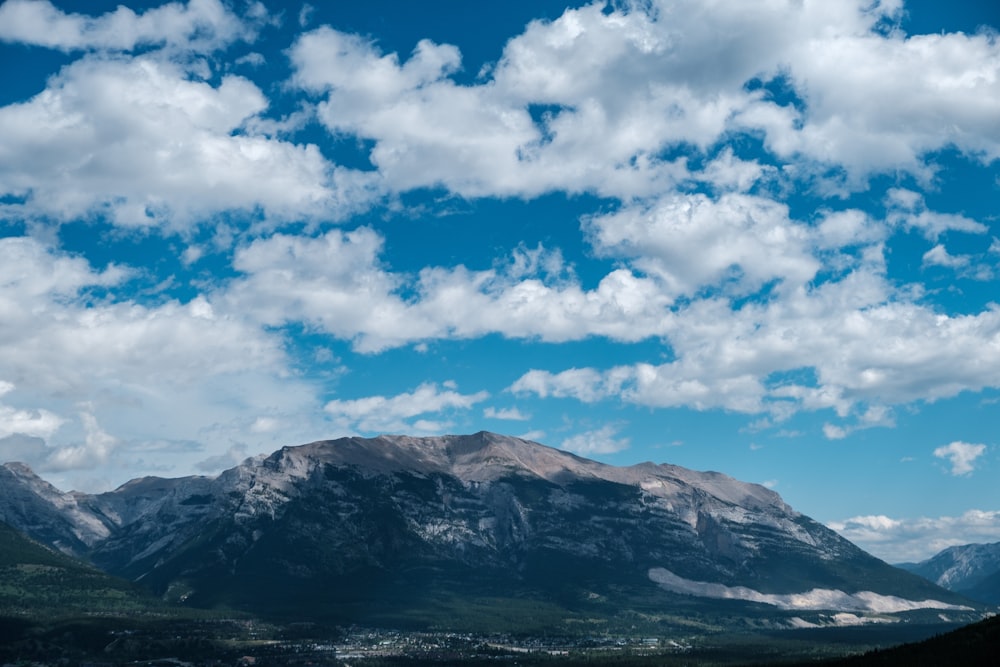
600,441
512,414
961,455
899,540
403,413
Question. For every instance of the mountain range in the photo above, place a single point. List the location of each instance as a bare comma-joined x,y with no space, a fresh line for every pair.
971,569
482,531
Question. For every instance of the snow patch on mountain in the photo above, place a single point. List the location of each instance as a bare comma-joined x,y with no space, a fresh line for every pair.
815,599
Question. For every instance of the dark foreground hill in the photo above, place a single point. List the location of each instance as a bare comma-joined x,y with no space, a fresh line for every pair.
975,645
480,532
38,582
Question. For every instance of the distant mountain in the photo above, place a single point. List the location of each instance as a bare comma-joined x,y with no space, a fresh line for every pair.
65,521
480,530
972,570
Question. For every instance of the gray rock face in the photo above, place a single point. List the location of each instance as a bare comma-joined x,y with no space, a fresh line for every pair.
68,522
355,523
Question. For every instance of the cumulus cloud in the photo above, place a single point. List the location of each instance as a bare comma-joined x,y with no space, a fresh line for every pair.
939,256
613,95
338,283
39,423
726,357
900,540
54,340
584,384
692,241
409,412
142,143
961,455
198,25
96,449
618,87
135,367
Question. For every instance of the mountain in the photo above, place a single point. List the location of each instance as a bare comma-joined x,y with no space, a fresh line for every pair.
971,569
483,531
65,521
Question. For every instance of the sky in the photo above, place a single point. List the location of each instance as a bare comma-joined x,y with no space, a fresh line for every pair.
753,237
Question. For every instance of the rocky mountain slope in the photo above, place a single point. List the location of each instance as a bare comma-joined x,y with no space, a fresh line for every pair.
971,569
399,528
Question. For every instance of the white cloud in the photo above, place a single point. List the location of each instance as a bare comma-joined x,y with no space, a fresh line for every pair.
834,432
338,283
619,86
584,384
305,14
874,416
688,242
899,540
876,103
961,455
608,118
135,366
142,142
938,256
907,208
97,448
839,229
725,358
39,423
512,414
382,414
198,25
600,441
534,436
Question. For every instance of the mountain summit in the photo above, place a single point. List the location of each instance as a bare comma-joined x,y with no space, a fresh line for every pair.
398,528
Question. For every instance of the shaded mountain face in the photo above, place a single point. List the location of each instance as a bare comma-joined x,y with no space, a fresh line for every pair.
972,570
400,527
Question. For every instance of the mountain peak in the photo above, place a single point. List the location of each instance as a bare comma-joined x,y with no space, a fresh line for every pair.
20,469
482,456
488,457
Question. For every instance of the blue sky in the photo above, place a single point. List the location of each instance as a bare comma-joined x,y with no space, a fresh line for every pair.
753,237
